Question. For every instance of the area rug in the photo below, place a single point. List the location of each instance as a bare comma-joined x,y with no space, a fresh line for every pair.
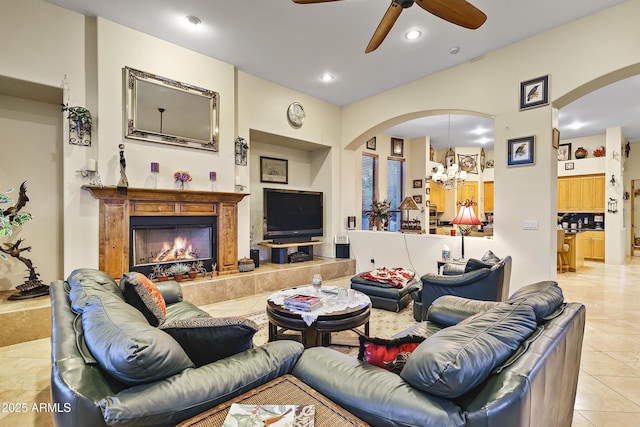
382,324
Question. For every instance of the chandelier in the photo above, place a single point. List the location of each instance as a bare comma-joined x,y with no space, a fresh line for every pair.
450,178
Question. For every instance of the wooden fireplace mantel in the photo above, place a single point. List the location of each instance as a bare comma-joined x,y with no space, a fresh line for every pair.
117,207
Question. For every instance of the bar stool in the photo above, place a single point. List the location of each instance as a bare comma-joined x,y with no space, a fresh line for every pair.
563,251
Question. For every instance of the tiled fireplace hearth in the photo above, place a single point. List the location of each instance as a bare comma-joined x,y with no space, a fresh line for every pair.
165,207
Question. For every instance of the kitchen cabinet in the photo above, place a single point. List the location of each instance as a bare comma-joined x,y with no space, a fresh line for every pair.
591,244
436,196
581,193
469,191
488,196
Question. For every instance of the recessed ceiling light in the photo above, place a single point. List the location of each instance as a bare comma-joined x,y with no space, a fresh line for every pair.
576,124
479,130
454,50
326,77
413,34
484,140
193,20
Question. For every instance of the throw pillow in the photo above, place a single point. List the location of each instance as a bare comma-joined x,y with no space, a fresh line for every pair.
475,264
207,339
126,346
456,359
143,294
490,258
389,354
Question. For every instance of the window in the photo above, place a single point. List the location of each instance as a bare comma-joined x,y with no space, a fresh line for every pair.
369,186
395,191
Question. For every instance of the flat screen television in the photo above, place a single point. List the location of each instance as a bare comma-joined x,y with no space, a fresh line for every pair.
292,215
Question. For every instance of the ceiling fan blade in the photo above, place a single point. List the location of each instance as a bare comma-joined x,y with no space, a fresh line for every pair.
459,12
389,18
312,1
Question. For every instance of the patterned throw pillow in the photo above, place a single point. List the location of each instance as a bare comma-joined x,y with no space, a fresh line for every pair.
389,354
143,294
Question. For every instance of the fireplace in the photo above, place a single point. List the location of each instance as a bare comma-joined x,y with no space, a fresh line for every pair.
163,214
175,239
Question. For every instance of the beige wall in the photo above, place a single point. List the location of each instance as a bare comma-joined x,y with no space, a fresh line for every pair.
91,53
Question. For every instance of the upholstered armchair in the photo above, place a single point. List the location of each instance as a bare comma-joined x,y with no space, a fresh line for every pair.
477,279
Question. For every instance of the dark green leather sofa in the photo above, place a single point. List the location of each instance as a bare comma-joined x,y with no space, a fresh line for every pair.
159,385
482,364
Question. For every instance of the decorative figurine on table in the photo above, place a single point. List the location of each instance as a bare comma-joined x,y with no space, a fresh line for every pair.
123,184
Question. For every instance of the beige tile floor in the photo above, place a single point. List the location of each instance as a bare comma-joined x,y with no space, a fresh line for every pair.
608,389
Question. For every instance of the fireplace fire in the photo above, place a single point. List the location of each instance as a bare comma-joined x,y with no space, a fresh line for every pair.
163,240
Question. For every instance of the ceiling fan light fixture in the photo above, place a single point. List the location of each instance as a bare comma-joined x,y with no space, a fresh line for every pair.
454,50
326,77
193,20
412,35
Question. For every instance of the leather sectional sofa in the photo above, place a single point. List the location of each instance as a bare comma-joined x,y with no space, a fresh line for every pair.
482,363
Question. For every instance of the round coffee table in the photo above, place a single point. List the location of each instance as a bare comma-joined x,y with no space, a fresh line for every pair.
319,332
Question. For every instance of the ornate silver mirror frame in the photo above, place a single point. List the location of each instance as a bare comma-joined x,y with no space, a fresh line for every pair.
159,109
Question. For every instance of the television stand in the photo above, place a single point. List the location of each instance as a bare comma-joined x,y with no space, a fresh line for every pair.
280,255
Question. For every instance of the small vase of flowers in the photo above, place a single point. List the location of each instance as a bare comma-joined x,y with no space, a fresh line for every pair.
181,177
379,214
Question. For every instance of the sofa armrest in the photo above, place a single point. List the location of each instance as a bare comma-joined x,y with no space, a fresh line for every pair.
373,394
457,280
450,310
170,290
174,399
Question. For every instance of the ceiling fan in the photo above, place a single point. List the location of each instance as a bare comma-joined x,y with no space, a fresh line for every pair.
458,12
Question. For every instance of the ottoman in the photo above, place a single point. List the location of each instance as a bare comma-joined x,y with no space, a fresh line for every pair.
383,295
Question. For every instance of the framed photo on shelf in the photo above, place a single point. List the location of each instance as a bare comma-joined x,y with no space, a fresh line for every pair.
418,198
417,183
274,170
569,166
564,152
371,144
520,151
397,147
534,93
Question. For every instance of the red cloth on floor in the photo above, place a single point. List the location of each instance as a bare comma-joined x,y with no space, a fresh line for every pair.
397,277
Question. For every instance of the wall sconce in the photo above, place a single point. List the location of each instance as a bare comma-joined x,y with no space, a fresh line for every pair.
241,148
612,205
90,172
612,181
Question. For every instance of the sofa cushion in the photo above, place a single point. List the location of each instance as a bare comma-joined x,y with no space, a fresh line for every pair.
545,297
389,354
207,339
143,294
126,346
490,258
86,282
456,359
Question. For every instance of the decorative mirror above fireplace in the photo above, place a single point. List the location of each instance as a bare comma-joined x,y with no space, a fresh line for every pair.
159,109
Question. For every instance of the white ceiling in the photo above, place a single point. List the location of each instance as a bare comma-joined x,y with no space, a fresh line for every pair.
292,45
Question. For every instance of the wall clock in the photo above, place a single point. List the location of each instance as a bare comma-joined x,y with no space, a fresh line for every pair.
295,114
482,160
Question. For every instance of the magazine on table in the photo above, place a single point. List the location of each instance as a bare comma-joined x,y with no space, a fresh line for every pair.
248,415
302,302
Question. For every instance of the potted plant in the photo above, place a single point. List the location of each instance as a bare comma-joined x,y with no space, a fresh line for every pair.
379,214
159,273
195,268
178,270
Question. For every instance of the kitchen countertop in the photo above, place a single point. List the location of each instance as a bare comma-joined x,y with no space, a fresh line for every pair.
580,230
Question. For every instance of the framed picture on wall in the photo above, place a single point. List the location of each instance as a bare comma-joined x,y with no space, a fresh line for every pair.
274,170
417,183
397,147
564,152
555,140
569,166
534,93
521,151
371,144
418,198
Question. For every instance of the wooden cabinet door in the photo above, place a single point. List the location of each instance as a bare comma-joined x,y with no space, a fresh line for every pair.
585,245
599,192
574,194
469,191
488,196
563,195
586,193
597,247
436,196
